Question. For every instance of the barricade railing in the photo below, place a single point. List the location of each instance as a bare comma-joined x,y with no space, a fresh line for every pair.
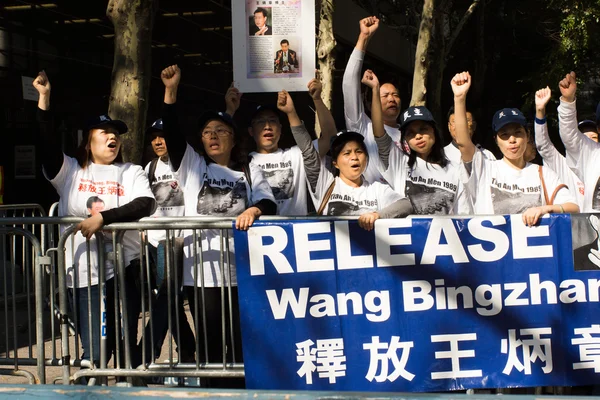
50,265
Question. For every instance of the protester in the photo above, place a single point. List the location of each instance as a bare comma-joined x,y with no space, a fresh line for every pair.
219,184
510,185
283,168
356,119
97,173
451,150
583,154
552,158
424,175
170,203
345,191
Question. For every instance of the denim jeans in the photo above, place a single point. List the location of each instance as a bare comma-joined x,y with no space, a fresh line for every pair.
106,320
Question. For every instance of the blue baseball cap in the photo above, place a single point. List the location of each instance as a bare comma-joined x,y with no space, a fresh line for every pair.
508,116
156,128
598,113
411,114
104,120
587,125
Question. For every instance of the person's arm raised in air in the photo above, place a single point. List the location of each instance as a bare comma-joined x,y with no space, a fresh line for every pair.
175,139
353,107
326,121
461,83
577,146
310,156
232,100
52,155
542,140
384,142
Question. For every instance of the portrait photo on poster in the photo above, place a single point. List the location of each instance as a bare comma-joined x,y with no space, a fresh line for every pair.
258,22
286,59
273,44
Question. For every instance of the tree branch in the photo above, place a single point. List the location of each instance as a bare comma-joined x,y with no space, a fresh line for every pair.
460,26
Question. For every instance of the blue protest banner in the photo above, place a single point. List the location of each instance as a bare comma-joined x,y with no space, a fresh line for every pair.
417,305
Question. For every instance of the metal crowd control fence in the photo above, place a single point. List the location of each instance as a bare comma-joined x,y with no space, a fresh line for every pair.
21,246
48,270
49,266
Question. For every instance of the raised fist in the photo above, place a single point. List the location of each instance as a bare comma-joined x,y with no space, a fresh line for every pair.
568,87
232,99
461,83
370,79
284,102
42,84
315,88
171,76
542,97
368,26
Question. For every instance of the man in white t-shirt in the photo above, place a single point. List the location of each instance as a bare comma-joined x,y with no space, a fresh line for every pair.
284,169
356,118
451,150
170,203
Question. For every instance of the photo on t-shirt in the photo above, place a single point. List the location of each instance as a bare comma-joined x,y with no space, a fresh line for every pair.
513,202
168,194
230,201
281,182
586,252
427,200
343,208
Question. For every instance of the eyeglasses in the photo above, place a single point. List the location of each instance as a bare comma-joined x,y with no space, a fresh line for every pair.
219,131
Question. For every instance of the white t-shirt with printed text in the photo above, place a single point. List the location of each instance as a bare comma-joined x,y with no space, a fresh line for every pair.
498,188
347,200
216,191
430,188
169,197
284,170
115,185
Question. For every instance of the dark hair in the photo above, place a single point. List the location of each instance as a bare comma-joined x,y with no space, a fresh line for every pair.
92,200
239,153
261,10
368,94
284,41
451,112
437,154
83,153
337,149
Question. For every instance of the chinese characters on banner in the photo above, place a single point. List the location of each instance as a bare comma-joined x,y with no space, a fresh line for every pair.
419,304
273,44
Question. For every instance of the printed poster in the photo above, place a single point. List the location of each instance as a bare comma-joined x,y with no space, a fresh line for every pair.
273,44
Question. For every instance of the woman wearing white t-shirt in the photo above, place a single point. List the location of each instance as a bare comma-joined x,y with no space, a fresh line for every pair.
98,186
424,175
344,191
220,183
510,185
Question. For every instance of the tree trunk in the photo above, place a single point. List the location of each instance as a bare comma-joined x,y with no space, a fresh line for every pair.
480,61
437,63
419,90
325,46
133,21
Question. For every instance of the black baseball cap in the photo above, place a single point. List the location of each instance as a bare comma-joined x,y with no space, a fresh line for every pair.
267,107
411,114
208,116
105,120
508,116
155,128
346,136
587,125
